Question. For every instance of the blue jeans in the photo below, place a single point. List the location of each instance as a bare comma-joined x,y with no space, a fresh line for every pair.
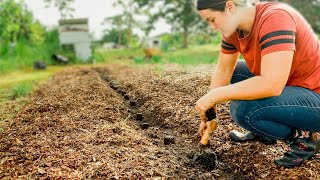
277,117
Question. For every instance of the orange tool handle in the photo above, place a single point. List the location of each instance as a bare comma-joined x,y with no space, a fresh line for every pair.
211,126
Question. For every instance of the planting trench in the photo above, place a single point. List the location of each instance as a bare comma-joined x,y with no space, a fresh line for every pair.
196,161
120,122
170,95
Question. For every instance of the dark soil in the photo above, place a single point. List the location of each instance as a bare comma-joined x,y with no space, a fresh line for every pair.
120,122
205,158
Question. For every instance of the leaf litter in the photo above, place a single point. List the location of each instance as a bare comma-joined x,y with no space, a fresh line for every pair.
86,123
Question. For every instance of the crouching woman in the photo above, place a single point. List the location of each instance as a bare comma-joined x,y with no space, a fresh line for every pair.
275,92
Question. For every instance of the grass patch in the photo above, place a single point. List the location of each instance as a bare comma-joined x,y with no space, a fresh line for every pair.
194,55
10,80
15,87
116,55
21,90
23,54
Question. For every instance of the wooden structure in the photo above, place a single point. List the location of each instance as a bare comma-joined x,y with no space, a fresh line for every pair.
75,33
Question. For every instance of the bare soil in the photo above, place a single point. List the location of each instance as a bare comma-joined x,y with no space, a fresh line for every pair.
125,122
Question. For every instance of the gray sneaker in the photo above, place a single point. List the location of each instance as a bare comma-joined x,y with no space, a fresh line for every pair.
237,136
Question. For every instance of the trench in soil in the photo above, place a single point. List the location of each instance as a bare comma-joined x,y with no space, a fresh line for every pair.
181,144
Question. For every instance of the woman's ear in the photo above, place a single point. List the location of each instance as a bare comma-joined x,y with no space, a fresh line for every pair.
230,6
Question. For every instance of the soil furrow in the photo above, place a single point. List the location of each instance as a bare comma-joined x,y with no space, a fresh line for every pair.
121,122
170,95
182,146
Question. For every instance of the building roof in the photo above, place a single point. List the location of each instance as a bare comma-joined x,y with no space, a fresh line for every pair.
73,21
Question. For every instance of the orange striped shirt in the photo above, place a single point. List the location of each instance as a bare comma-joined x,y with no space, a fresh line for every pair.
278,27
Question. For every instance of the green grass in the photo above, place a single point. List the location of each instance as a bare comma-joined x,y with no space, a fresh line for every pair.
10,80
194,55
23,54
19,84
21,90
109,56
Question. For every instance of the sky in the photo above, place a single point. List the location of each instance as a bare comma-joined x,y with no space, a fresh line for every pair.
94,10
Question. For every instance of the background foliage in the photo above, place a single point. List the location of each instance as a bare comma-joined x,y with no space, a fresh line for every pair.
24,40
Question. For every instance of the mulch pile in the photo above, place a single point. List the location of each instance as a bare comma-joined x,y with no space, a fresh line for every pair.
121,122
169,94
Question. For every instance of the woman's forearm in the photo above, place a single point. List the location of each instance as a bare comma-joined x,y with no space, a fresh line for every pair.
223,73
254,88
219,79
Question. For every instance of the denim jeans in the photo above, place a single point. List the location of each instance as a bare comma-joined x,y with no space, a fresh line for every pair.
276,117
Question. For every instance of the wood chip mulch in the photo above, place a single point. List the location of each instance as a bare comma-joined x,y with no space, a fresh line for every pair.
170,95
82,124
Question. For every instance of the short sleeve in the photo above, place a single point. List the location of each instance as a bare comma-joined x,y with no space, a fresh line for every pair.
277,32
227,47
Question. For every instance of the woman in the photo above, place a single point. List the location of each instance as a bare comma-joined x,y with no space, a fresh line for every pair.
276,91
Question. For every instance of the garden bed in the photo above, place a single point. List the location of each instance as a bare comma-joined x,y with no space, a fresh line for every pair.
125,122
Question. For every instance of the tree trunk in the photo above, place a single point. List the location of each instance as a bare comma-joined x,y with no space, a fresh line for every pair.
185,38
120,38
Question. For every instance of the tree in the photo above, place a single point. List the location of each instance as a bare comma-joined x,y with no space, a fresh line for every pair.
18,23
115,26
64,7
126,21
179,13
116,36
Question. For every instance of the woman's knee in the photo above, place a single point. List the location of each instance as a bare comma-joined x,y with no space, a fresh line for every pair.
251,116
238,111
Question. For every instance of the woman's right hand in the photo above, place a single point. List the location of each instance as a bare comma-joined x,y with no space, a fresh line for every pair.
202,128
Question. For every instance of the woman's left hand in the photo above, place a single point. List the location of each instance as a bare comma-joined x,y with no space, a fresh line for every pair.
203,104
